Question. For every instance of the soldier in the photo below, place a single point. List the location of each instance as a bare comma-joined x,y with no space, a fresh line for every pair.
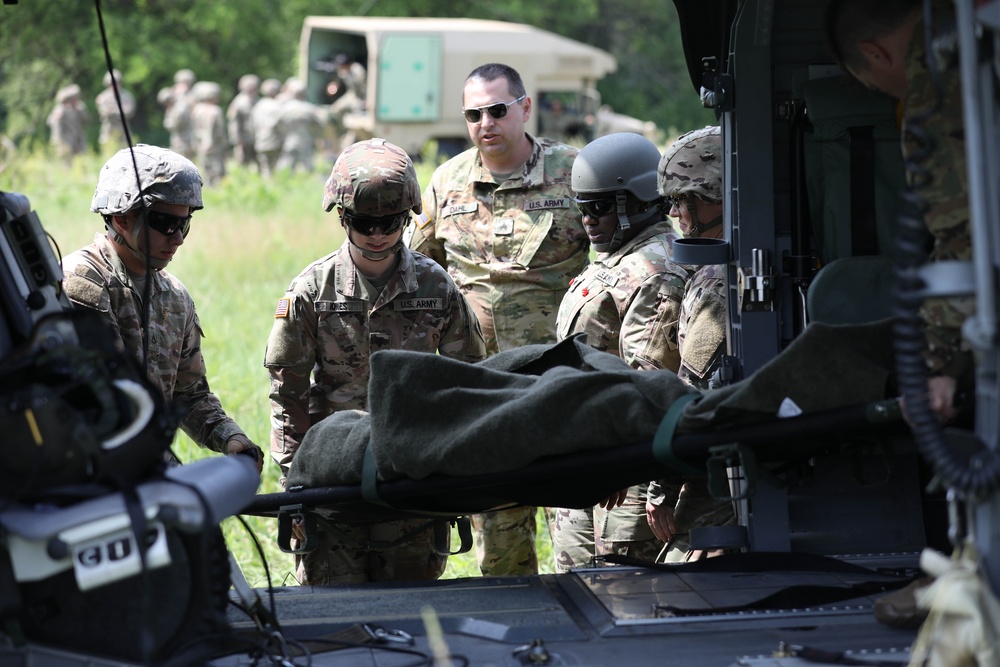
238,116
177,113
689,176
67,123
886,52
500,218
122,275
371,294
267,139
300,124
208,128
112,130
628,303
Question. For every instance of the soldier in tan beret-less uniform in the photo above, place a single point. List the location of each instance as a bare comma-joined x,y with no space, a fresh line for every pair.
689,176
501,219
123,275
208,130
112,131
238,116
67,123
371,294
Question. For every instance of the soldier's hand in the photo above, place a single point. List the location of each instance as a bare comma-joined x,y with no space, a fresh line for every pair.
247,448
615,499
661,521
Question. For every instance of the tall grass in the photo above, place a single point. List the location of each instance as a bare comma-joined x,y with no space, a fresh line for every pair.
251,239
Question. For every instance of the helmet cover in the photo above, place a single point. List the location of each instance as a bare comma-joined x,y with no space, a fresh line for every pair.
693,165
373,178
164,176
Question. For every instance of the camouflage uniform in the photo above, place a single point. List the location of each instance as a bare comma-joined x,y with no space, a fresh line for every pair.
177,114
96,278
512,248
326,327
238,117
67,122
692,166
627,303
267,139
945,192
208,128
112,131
300,123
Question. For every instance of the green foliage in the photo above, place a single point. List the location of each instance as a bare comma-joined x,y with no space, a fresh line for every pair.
48,44
251,239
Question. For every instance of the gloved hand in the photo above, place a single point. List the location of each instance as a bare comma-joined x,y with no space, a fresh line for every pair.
242,445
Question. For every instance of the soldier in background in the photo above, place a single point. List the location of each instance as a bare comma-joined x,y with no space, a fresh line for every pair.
67,122
238,117
264,116
209,131
501,219
177,113
689,176
123,275
627,303
112,131
371,294
301,124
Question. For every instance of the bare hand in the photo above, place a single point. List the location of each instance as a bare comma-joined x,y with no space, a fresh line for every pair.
239,446
940,397
661,521
615,499
298,532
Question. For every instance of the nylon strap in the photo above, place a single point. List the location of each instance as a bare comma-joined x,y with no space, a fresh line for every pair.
664,438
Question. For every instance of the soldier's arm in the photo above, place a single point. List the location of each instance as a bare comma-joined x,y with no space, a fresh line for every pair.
422,233
463,339
289,360
649,327
702,332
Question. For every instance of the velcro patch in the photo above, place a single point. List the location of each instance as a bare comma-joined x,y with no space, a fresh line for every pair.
282,309
338,306
541,204
470,207
429,303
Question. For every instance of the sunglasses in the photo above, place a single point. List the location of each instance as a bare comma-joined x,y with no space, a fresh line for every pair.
595,208
167,224
366,225
496,111
678,200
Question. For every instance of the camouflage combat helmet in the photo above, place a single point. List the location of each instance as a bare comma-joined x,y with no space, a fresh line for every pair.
206,91
248,83
184,76
693,165
613,165
270,87
619,161
164,176
373,178
107,77
67,93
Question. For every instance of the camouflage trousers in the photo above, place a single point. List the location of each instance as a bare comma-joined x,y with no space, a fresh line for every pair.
505,542
350,554
578,535
695,509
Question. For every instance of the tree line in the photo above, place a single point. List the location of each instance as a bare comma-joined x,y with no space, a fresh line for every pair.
47,44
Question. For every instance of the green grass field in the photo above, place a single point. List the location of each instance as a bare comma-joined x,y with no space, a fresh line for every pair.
244,248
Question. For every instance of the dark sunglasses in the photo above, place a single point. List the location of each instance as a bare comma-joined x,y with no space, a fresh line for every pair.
496,111
678,200
167,224
366,225
595,208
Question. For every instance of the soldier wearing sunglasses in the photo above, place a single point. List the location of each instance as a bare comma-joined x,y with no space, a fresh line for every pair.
501,219
122,274
372,294
627,303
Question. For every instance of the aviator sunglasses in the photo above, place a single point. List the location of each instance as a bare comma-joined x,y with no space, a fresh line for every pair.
168,224
595,208
366,225
496,111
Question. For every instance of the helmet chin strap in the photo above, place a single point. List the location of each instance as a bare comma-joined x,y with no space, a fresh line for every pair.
699,228
625,223
375,255
133,244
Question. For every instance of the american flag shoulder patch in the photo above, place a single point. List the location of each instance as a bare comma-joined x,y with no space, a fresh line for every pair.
282,309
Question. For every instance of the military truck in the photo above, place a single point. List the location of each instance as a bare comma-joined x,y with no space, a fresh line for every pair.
414,70
834,506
